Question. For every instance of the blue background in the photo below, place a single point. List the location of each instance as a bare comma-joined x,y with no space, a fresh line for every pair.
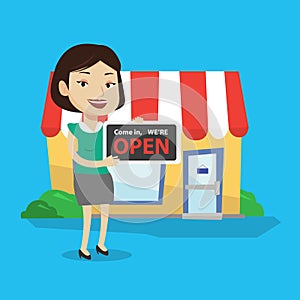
259,39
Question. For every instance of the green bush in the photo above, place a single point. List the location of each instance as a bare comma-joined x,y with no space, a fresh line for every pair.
249,206
54,204
40,209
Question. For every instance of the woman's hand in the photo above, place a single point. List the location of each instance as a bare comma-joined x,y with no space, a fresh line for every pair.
138,120
110,161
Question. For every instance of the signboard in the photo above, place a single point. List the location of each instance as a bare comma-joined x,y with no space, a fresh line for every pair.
141,142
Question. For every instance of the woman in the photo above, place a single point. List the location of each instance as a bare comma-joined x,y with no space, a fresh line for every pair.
87,79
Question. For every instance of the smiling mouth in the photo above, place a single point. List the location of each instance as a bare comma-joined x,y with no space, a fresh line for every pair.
97,103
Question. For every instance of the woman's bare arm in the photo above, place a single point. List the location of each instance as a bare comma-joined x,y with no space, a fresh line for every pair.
73,148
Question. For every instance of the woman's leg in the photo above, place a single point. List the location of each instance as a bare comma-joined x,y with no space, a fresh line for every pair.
104,209
87,216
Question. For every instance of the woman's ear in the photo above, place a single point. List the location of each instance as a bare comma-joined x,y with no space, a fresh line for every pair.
63,89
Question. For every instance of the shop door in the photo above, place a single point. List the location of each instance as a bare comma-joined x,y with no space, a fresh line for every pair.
203,172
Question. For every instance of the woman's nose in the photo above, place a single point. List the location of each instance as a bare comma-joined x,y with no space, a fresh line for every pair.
101,92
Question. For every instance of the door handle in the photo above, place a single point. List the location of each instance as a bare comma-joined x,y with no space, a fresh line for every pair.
215,187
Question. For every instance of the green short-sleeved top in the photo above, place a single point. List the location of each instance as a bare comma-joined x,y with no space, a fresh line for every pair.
90,147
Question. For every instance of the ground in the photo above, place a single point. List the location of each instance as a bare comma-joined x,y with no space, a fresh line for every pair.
44,263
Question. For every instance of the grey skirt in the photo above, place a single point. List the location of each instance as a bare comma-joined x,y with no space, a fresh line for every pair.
93,189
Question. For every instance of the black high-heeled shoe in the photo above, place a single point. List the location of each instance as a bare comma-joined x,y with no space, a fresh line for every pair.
99,250
81,254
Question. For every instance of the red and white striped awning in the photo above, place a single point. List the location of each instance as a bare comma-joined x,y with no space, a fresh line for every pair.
200,102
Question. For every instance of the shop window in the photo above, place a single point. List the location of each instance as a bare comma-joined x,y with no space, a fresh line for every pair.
138,183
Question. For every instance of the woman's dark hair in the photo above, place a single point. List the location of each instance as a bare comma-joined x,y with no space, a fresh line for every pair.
81,57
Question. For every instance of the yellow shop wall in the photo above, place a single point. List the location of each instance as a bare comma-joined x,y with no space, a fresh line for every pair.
60,164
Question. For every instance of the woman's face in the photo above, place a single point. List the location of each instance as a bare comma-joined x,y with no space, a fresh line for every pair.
93,90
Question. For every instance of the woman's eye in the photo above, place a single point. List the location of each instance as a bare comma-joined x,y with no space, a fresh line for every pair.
82,83
109,85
